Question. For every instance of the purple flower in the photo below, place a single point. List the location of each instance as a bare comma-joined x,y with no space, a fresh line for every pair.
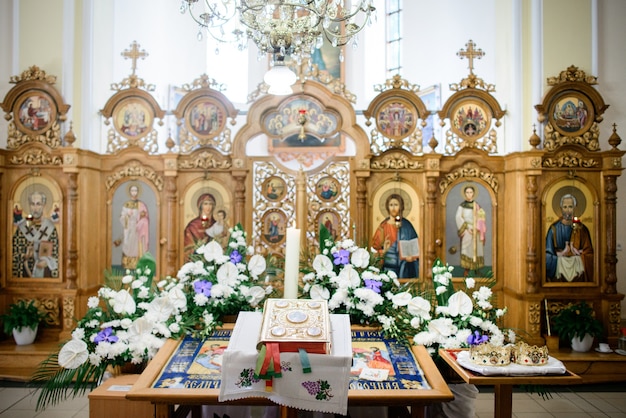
235,257
203,286
341,257
106,335
477,338
373,284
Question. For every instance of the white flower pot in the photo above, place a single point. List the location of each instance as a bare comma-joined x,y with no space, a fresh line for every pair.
25,335
583,345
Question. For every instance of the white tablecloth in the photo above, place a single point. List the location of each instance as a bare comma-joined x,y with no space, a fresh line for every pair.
327,383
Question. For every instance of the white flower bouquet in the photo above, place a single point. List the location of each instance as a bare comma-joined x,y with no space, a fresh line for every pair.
217,283
463,317
127,322
131,317
348,277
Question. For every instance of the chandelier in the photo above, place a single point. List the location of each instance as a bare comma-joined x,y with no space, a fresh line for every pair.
280,27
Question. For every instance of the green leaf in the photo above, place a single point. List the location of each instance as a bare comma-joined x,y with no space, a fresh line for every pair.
147,261
56,384
326,239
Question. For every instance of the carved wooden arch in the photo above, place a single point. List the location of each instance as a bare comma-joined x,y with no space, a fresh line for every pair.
34,84
200,98
396,111
133,168
118,138
314,90
481,139
572,85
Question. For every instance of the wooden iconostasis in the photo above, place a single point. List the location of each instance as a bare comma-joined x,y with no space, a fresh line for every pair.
303,160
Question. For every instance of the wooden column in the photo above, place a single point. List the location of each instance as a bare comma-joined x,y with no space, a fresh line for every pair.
532,232
360,220
71,274
240,197
432,241
610,219
171,242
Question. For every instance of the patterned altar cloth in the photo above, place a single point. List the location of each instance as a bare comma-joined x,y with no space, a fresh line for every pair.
377,363
324,389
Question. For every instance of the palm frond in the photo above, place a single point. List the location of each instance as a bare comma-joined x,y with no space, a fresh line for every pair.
56,384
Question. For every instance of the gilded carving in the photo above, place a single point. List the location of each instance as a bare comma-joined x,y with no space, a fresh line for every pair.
554,139
332,209
465,172
534,317
69,160
134,169
569,159
617,162
33,73
190,142
51,309
117,142
488,142
396,161
50,137
433,164
397,82
36,157
68,312
572,74
615,318
277,205
205,160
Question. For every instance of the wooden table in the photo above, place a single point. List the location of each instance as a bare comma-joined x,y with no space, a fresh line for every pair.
503,385
166,400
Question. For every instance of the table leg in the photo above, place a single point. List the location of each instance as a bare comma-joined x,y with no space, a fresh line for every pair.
286,412
162,410
503,395
417,411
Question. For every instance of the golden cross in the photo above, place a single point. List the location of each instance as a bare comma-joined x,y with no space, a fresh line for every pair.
470,53
134,53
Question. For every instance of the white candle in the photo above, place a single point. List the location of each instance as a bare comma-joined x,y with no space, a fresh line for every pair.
292,264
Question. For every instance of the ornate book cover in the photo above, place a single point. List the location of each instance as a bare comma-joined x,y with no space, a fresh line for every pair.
296,323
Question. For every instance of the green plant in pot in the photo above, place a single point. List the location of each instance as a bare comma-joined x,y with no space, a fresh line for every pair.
576,323
22,321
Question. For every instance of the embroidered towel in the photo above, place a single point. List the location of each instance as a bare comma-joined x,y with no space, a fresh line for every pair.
324,389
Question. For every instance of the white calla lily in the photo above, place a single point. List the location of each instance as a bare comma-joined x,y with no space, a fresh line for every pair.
460,304
322,264
73,354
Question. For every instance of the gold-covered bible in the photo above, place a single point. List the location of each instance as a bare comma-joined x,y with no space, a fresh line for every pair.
296,324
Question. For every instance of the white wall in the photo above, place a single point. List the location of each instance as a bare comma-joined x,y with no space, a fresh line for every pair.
612,86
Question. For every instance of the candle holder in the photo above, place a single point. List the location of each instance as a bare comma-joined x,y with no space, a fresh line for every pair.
302,120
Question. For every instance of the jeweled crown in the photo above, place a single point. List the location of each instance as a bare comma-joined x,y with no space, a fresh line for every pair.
488,354
530,355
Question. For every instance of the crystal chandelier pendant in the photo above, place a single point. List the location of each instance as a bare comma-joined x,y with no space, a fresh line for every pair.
289,27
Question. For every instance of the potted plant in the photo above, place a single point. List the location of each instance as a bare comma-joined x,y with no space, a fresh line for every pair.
23,321
577,324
